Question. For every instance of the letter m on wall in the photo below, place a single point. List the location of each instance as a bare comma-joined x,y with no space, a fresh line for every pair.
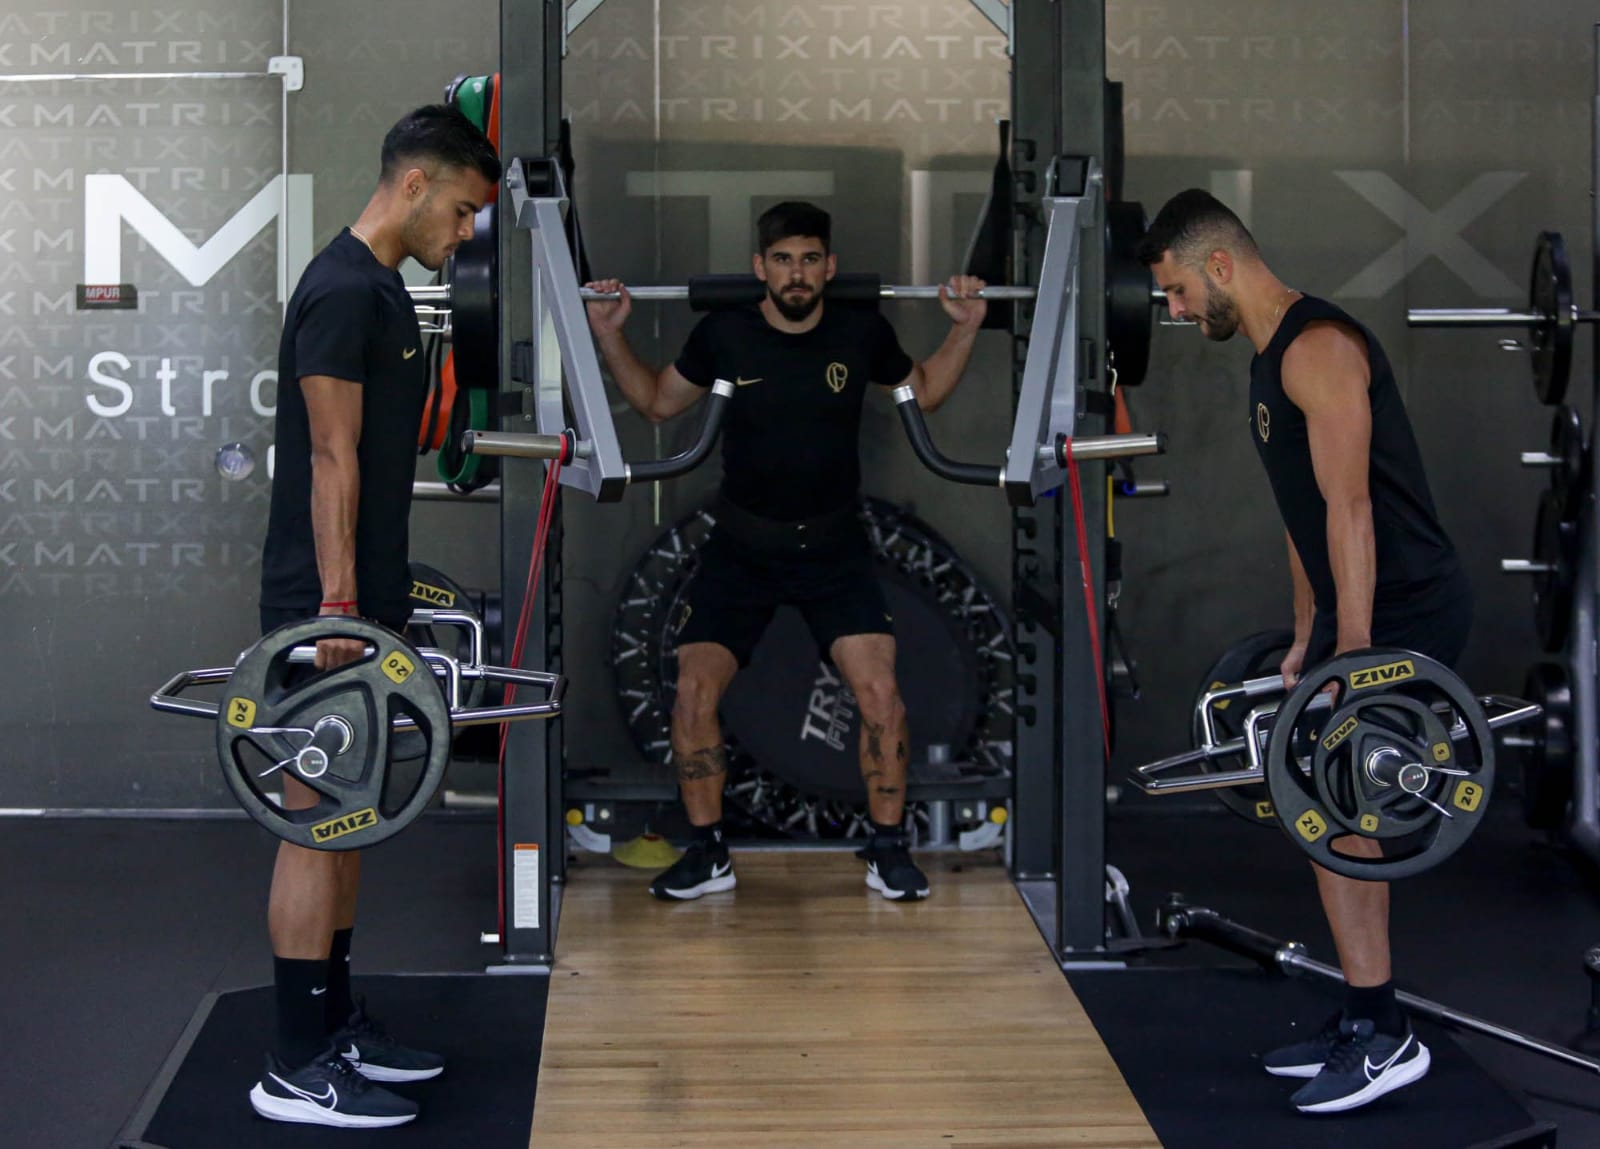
109,201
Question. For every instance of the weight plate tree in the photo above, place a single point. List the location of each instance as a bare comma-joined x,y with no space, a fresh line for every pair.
790,725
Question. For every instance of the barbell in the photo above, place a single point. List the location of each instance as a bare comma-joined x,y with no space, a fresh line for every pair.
1552,317
349,733
460,308
1382,744
703,291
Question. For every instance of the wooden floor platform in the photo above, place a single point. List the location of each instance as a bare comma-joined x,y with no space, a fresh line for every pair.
803,1010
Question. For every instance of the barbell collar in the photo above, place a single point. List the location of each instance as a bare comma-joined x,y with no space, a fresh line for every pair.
1143,489
1493,317
1475,317
430,293
1540,459
1527,566
1089,447
524,446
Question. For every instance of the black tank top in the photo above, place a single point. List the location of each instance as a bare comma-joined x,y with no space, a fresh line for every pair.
1416,562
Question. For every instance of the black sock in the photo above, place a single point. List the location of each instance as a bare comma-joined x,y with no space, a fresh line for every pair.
340,1005
891,834
301,986
1376,1004
711,837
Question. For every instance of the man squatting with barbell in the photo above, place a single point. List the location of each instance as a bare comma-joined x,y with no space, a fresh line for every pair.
352,383
1370,562
787,522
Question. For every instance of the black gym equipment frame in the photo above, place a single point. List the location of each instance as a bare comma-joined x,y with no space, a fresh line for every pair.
1059,98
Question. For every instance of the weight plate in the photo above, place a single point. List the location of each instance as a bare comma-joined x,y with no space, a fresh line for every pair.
432,589
475,305
1566,447
1387,764
1129,316
1547,765
332,731
1253,657
1550,295
1555,544
791,731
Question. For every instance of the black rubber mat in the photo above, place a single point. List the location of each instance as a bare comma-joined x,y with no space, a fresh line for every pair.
1189,1041
488,1028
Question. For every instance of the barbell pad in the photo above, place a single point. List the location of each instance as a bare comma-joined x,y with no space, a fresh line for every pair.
710,292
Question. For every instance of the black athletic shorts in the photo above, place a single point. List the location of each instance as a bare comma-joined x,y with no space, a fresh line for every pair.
740,585
1435,622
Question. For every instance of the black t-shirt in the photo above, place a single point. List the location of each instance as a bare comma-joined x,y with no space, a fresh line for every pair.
1416,560
789,442
349,318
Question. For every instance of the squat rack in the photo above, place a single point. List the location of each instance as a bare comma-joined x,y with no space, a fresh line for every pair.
1061,159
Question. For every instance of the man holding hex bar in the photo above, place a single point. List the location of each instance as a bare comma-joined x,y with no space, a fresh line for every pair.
787,528
1370,561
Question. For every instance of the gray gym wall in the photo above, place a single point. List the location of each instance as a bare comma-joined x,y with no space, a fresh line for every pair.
1357,141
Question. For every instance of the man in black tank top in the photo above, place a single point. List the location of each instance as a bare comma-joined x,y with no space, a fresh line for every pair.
788,529
352,382
1370,562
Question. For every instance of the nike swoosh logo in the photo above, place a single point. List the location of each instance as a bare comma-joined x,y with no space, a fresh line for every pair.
327,1100
352,1054
721,871
746,382
1373,1071
319,992
408,354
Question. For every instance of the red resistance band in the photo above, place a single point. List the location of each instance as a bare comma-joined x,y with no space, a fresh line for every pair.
1088,594
541,539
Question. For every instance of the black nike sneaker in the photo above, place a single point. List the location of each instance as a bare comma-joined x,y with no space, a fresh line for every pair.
701,870
1305,1058
891,871
1362,1066
327,1091
371,1052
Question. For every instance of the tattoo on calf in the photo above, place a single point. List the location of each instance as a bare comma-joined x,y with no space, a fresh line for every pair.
709,762
874,733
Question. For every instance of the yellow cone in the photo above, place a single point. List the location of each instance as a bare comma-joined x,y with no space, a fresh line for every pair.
646,852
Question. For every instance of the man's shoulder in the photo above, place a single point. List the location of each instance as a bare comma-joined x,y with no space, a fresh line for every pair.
329,278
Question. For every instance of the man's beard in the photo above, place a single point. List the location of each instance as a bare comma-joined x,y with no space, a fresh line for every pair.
411,236
797,311
1221,315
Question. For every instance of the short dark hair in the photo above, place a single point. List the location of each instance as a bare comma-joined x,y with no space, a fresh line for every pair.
791,218
440,133
1191,226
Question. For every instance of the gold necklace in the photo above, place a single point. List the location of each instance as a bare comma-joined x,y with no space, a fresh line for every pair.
363,239
1288,291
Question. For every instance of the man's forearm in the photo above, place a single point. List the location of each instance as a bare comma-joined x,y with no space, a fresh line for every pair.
1352,552
635,378
335,495
942,370
1305,602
